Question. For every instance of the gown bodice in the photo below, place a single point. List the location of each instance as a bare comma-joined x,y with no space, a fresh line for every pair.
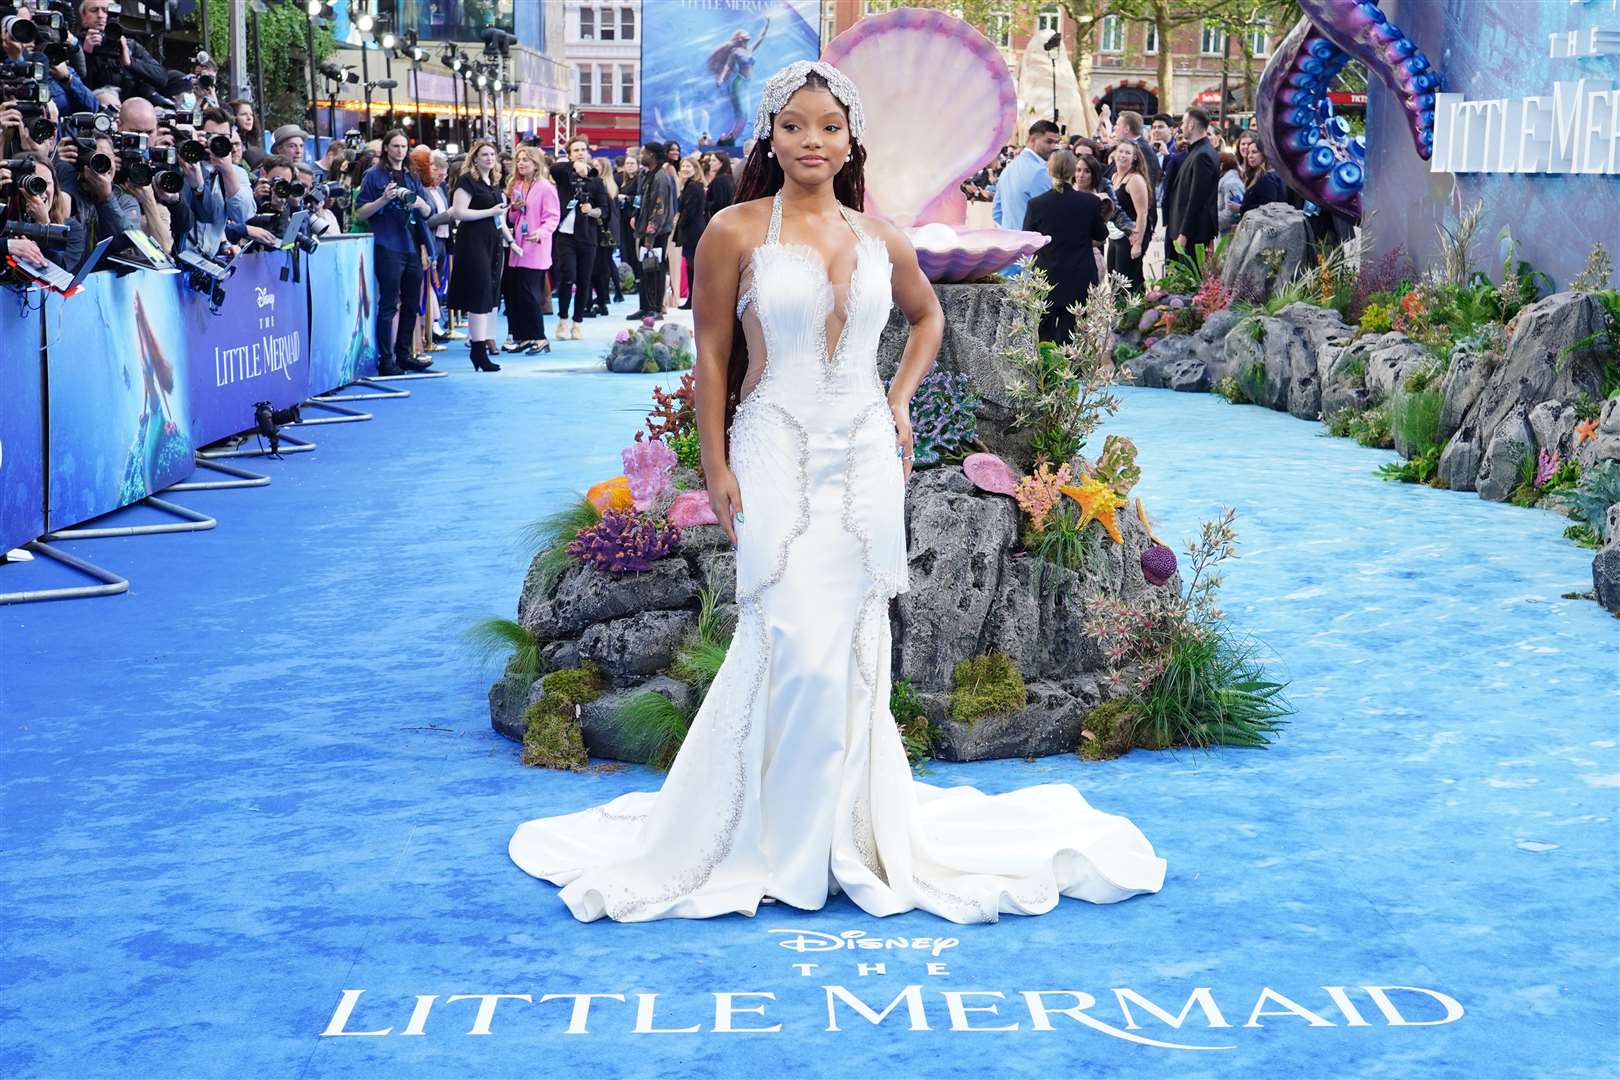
809,337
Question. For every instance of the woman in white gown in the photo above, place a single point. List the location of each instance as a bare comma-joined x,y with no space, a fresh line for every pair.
792,783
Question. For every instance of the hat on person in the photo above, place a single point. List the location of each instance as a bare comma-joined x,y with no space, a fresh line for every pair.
285,132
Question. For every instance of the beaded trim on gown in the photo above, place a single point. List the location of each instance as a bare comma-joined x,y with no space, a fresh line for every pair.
792,781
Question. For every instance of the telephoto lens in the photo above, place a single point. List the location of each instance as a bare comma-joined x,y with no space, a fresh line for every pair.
192,151
137,171
296,190
56,53
220,146
43,234
281,188
101,163
169,182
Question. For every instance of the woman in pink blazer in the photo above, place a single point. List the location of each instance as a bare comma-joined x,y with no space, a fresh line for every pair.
532,215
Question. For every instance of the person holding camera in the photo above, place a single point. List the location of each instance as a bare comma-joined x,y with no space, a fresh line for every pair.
213,193
28,185
111,59
583,200
22,39
478,207
392,202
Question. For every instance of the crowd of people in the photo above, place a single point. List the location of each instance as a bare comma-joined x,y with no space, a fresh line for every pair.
1106,201
98,140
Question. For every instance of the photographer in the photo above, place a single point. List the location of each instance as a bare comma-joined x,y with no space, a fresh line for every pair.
584,202
391,200
213,192
40,44
275,198
111,59
85,169
205,81
28,186
326,169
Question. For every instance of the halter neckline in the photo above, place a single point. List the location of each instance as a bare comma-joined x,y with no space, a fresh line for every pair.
773,234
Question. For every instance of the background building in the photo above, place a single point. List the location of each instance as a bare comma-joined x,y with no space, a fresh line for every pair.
602,46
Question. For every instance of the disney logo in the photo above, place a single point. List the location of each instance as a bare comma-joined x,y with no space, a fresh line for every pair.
266,297
816,941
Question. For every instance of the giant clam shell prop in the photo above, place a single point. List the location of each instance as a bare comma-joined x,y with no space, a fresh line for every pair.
939,104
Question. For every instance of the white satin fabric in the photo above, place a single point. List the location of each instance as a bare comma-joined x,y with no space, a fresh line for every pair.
792,781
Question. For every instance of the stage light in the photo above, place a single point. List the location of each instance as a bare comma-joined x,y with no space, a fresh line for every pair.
483,80
1054,41
388,41
313,8
364,23
452,149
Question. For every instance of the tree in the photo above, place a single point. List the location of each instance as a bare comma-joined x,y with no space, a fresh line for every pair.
1168,16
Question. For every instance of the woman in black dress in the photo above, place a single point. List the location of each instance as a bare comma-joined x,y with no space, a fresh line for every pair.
1074,221
692,217
478,206
1134,191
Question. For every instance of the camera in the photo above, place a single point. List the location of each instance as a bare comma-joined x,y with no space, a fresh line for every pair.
282,188
353,141
32,183
193,151
43,235
113,36
204,275
40,127
22,31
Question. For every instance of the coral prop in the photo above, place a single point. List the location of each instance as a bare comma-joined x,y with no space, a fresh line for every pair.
692,508
650,467
1038,493
1117,466
611,495
989,473
1158,565
1141,515
1546,465
625,542
944,418
1097,502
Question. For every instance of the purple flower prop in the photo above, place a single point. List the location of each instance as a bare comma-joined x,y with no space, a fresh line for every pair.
1546,464
621,337
650,467
625,542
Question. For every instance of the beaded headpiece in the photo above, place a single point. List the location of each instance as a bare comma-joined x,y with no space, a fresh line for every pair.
786,82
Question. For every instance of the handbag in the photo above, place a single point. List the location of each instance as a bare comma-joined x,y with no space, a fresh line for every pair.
651,262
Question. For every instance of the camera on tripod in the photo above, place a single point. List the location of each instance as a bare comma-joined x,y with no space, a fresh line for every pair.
267,421
204,275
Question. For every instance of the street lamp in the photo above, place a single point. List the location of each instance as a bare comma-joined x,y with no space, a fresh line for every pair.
1051,47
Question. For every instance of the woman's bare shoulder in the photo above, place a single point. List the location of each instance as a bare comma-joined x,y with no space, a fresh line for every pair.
738,228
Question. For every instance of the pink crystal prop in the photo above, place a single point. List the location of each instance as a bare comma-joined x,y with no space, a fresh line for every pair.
989,473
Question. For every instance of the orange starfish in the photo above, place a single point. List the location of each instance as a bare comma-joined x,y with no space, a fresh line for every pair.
1097,501
1586,429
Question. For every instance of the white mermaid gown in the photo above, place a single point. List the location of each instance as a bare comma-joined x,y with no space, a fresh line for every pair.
792,781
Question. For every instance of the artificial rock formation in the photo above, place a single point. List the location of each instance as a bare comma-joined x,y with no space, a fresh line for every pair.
1271,245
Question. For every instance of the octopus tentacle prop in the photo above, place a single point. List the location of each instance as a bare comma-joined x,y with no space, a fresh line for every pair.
1294,117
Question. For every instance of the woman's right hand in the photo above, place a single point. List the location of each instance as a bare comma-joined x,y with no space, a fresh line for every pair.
725,499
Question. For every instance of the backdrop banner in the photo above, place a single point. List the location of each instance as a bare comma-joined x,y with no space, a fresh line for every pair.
703,65
120,422
256,348
342,322
141,372
22,466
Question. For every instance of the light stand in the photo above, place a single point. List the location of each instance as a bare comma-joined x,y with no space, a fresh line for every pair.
311,10
417,56
1051,48
388,42
365,23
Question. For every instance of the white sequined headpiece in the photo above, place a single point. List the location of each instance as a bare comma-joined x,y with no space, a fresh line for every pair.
784,83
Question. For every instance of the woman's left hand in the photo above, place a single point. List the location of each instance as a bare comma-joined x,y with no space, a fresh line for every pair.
902,430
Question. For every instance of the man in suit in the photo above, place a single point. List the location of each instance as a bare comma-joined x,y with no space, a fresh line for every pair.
1129,128
1190,210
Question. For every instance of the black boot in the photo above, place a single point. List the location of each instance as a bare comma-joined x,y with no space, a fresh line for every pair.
480,358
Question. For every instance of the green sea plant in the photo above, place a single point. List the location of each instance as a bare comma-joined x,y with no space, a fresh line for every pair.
1589,501
551,734
1414,415
655,722
911,720
508,641
550,536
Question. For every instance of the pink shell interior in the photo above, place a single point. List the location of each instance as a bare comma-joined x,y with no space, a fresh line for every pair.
925,135
989,473
692,508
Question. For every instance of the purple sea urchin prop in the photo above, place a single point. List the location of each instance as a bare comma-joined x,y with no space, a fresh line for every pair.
944,418
1158,564
625,542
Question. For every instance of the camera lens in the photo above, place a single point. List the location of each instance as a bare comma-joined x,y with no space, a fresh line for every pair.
138,173
205,81
56,53
41,129
192,151
22,31
220,146
35,185
101,163
296,190
169,182
280,188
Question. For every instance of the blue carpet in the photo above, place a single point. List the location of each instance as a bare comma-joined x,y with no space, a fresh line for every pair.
266,776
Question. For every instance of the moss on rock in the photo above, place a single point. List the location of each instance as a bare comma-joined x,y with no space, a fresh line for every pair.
551,735
1107,730
986,684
